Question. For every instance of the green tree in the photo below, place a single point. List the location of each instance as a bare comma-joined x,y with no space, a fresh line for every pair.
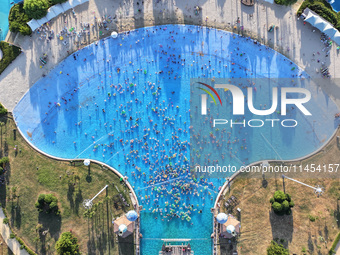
47,202
281,203
285,205
36,9
277,249
277,207
67,244
279,196
58,1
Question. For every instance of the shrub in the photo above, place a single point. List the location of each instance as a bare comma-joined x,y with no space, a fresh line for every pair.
335,243
3,110
10,52
18,19
285,2
48,203
5,221
277,207
285,205
311,218
12,235
276,249
279,196
36,9
67,244
4,161
281,202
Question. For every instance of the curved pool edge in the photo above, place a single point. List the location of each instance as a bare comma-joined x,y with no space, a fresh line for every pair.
231,178
135,203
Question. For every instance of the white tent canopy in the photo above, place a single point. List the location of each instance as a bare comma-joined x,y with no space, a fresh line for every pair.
53,12
323,25
66,6
33,24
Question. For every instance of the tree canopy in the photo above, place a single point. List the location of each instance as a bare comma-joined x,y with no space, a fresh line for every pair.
67,244
36,9
277,249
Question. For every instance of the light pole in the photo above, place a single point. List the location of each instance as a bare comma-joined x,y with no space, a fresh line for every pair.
87,203
317,190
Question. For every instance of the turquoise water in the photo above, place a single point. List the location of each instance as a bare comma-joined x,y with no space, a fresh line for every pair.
5,6
126,102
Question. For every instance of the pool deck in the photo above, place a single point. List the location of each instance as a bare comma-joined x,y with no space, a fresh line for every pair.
293,39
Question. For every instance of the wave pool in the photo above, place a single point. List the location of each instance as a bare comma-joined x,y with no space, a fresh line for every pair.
126,102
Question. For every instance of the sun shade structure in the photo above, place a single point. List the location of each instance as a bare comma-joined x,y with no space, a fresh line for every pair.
324,26
132,215
87,162
231,228
222,218
123,227
53,12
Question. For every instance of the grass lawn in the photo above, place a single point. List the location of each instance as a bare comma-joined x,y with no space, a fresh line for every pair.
314,222
31,174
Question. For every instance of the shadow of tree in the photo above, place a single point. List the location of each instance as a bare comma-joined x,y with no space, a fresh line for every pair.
51,222
337,213
70,195
78,201
310,243
125,245
16,215
282,227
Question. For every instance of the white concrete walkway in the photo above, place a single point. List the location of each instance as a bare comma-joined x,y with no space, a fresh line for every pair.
13,244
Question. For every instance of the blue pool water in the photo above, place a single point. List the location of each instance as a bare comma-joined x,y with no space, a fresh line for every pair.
126,102
336,5
5,6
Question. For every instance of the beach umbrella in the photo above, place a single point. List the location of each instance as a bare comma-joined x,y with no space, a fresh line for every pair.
87,162
131,215
231,229
122,229
222,218
114,34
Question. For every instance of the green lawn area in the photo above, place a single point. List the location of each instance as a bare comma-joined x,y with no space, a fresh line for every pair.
10,52
31,174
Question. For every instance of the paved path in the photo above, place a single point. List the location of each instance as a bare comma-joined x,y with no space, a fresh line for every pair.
337,249
13,244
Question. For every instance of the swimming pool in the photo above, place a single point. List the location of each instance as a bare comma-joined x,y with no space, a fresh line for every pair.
4,11
335,4
126,102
